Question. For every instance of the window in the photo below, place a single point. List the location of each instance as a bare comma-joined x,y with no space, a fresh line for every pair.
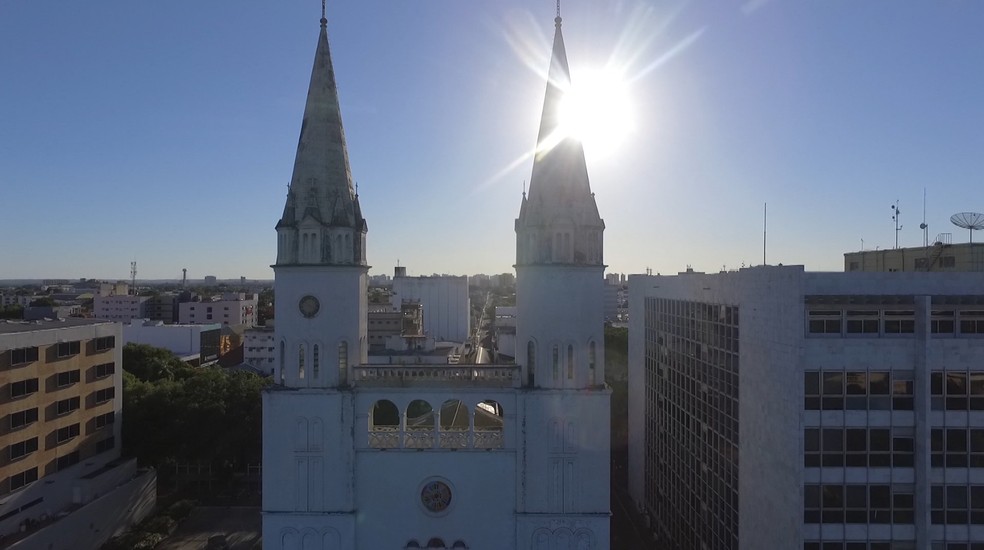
67,378
530,361
23,355
315,361
66,406
70,459
972,322
104,343
23,448
24,387
862,322
825,322
556,363
899,322
105,419
19,480
570,362
66,349
300,362
105,369
66,433
23,418
105,394
957,504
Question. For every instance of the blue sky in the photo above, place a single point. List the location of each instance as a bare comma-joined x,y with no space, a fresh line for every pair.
165,131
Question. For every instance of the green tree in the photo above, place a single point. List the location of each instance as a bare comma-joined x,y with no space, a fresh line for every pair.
151,364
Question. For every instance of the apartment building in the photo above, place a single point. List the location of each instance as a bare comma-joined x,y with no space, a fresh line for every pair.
232,309
775,408
60,404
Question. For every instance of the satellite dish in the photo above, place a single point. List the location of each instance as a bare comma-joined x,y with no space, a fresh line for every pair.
968,220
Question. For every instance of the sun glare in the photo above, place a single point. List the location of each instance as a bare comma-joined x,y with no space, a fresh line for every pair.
597,111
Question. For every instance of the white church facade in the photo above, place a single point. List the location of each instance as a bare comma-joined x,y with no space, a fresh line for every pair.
374,457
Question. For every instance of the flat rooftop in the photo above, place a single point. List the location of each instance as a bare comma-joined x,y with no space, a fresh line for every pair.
8,326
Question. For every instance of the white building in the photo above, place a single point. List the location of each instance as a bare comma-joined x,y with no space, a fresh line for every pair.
119,307
258,348
774,408
192,343
447,307
232,309
432,455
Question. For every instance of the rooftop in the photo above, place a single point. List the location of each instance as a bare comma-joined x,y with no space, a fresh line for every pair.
15,326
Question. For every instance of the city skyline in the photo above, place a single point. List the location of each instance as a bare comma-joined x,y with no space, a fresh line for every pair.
165,134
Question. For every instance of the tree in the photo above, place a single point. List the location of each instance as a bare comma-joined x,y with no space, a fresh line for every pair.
152,364
46,301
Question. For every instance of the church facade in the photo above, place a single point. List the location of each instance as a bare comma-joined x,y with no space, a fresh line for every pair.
491,456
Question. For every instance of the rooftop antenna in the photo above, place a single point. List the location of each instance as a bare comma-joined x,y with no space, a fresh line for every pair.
923,225
133,277
968,220
896,217
184,277
558,8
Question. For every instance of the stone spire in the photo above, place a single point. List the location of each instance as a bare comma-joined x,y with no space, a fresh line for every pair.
559,221
322,222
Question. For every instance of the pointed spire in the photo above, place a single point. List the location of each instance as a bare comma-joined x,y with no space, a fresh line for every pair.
559,201
321,193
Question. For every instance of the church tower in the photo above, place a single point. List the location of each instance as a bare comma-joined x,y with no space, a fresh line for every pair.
321,271
559,270
560,339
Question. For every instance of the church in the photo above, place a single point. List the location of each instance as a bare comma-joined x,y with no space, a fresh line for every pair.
430,454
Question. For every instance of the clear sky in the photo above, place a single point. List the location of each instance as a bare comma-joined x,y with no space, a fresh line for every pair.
164,132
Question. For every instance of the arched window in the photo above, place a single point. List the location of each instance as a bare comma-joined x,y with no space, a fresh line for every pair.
384,425
488,425
455,423
315,360
570,362
591,362
420,425
300,362
436,543
342,362
283,366
530,361
556,363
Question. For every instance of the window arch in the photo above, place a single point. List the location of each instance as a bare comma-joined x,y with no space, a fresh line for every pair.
384,425
300,362
530,361
556,363
283,365
419,425
570,362
342,362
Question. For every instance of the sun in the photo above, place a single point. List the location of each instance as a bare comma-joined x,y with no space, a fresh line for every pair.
597,111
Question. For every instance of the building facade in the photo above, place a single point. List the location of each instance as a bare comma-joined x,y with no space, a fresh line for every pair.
232,309
429,454
445,302
120,308
259,347
775,408
60,407
940,256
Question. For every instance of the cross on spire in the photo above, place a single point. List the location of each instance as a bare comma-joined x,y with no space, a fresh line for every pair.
324,21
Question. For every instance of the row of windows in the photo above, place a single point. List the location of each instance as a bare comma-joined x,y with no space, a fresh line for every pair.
875,545
957,391
23,448
836,503
21,479
858,390
891,322
858,447
957,504
62,379
21,356
957,448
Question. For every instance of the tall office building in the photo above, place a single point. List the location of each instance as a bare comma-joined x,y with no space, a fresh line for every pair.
775,408
433,455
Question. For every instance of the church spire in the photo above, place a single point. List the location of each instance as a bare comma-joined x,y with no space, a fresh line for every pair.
559,220
321,213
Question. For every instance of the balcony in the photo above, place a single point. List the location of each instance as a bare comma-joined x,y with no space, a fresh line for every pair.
437,375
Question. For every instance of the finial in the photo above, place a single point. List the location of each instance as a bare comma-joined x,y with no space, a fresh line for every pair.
524,188
324,21
356,189
557,19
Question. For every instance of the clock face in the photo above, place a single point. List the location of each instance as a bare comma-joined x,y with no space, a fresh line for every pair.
309,306
435,496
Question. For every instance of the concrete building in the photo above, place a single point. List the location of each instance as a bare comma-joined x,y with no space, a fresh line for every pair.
232,309
774,408
194,344
60,407
162,307
940,256
258,348
121,308
445,301
431,454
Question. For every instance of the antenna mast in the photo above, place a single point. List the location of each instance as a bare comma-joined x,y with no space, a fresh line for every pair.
765,230
133,277
923,225
896,217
